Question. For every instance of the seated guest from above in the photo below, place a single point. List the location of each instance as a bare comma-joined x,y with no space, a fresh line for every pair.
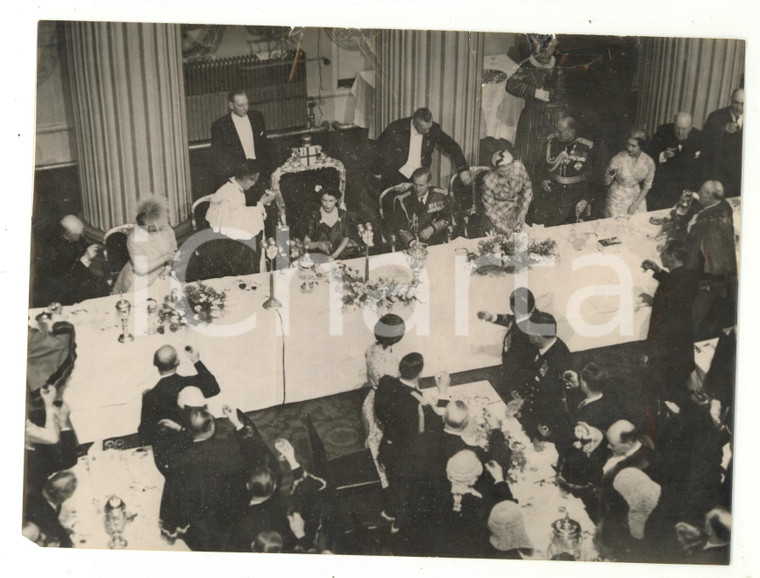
567,189
422,212
160,402
516,350
629,177
328,228
631,526
264,511
586,397
462,529
724,130
151,245
381,360
508,536
676,149
69,266
407,144
267,541
228,214
507,194
42,507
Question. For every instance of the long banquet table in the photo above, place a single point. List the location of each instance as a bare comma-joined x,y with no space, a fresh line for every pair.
324,351
131,475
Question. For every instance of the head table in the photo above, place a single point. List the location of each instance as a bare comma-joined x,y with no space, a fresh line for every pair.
309,349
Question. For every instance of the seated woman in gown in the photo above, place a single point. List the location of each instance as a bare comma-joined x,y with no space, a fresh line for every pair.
629,177
151,245
328,229
507,193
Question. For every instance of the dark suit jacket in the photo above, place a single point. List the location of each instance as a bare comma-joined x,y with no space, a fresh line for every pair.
41,513
397,411
712,247
682,171
600,413
393,148
671,328
544,392
515,353
63,277
161,401
723,151
227,150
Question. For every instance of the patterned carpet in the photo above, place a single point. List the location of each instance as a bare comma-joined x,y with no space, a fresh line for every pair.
337,418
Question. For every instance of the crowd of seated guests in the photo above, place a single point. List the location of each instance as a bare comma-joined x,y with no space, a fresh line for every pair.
650,477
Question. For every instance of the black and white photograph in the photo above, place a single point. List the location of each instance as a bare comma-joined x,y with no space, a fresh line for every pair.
402,291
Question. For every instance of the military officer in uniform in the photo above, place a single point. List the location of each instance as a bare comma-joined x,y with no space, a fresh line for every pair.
565,195
542,390
422,212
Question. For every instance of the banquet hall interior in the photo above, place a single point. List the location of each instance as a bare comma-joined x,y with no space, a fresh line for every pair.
446,294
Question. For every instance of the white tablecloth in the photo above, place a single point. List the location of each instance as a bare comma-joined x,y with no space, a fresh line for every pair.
132,476
104,391
535,488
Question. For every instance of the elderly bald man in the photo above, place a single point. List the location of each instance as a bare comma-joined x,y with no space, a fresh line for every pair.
629,493
161,401
724,131
69,270
677,149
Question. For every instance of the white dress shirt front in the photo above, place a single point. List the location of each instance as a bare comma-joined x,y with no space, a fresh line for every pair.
245,133
414,160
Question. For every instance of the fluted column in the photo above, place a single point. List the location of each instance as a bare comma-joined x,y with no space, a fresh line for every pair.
435,69
695,75
129,113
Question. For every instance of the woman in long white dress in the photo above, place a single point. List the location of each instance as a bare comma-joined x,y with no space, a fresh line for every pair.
629,177
151,245
381,361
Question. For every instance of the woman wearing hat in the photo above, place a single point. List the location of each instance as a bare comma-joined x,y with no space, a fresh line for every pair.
381,361
507,193
463,531
508,536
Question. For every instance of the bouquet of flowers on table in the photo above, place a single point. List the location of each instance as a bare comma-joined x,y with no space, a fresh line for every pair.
200,303
505,251
379,294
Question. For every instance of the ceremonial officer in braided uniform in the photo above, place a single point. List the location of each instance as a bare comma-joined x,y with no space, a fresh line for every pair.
566,192
422,212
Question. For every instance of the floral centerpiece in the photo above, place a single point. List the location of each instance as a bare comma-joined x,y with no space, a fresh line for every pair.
379,294
507,252
199,304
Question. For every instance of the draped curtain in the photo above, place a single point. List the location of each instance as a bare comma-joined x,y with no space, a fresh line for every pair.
129,116
695,75
435,69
